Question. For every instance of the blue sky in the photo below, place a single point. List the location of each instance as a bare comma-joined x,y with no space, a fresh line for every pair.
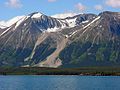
12,8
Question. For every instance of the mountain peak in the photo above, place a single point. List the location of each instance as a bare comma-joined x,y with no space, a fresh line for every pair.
35,15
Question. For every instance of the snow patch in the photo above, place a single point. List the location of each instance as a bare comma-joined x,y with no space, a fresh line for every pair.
85,21
66,36
25,24
52,29
37,15
71,22
100,26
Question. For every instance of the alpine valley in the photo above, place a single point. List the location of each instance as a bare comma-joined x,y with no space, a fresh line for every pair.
37,40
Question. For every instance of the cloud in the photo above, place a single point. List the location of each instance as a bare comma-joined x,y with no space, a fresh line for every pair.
113,3
64,15
52,0
80,7
13,3
98,7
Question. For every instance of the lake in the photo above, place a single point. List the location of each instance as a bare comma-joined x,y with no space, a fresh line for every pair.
59,82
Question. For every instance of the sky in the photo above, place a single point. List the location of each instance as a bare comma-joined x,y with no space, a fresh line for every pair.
12,8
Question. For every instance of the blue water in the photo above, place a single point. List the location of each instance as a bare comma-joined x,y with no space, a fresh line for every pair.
59,83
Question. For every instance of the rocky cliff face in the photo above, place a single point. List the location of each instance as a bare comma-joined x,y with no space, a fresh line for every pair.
44,41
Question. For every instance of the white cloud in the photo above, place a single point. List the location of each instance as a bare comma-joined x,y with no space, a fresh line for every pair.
80,7
52,0
98,7
13,3
113,3
64,15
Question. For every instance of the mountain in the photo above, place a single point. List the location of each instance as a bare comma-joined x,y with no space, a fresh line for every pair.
46,41
96,43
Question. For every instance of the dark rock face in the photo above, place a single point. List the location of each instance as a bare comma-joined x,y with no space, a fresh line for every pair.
85,17
93,41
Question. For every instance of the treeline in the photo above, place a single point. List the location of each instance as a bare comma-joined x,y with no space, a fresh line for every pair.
98,71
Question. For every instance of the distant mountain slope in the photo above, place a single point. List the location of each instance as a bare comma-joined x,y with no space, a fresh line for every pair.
44,41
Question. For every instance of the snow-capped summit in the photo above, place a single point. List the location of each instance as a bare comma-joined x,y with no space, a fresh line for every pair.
4,24
36,15
19,19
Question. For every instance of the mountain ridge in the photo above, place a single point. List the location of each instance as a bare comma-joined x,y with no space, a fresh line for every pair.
38,40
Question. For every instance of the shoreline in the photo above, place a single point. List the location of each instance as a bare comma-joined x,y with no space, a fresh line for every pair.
81,71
